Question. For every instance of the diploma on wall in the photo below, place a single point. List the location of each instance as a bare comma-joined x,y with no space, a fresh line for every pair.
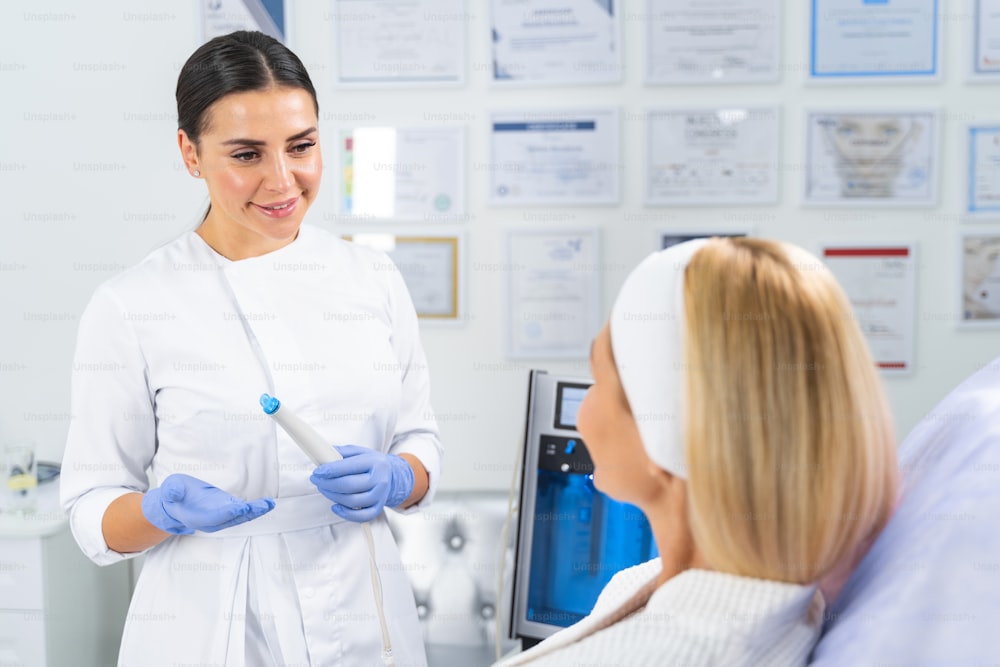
880,282
221,17
554,157
400,42
556,41
986,39
403,173
874,40
553,304
691,41
979,262
871,158
983,198
712,156
666,238
430,267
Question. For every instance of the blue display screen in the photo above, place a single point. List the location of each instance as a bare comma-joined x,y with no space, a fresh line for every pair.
568,399
581,539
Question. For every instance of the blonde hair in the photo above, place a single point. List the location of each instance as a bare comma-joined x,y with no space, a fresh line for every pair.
789,439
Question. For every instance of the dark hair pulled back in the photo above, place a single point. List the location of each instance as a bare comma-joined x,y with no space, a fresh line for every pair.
238,62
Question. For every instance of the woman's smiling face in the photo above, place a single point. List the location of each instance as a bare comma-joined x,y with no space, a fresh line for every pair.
260,156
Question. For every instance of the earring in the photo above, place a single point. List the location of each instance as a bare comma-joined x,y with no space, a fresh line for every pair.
196,173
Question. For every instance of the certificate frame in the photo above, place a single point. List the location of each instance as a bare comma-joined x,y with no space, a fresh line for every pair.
604,72
708,197
508,173
772,75
872,75
588,284
978,278
447,208
976,73
452,309
261,18
406,72
871,173
684,234
895,256
973,211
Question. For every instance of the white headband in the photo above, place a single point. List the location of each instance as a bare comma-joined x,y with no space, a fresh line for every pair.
647,335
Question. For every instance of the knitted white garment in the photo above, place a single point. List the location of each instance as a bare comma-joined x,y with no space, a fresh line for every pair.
696,619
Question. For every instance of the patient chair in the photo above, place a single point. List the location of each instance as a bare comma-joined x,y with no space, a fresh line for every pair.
928,591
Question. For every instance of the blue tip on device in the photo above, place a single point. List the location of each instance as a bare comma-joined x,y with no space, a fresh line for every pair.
269,403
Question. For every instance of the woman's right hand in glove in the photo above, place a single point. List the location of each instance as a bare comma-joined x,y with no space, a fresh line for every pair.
183,504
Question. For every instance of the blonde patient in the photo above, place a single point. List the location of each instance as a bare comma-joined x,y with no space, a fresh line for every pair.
736,404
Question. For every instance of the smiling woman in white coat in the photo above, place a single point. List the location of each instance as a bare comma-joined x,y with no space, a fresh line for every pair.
254,555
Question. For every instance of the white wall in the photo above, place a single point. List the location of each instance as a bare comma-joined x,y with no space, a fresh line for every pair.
91,180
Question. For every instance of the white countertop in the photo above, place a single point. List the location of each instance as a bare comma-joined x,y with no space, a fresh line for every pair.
47,519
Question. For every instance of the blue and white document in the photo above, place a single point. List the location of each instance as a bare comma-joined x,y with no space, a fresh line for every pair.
554,157
876,40
554,280
984,171
986,39
552,41
221,17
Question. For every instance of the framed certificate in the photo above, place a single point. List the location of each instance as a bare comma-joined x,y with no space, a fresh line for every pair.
666,238
221,17
979,275
871,158
712,157
691,41
874,40
554,157
553,293
431,267
403,173
551,42
399,42
880,282
983,191
985,40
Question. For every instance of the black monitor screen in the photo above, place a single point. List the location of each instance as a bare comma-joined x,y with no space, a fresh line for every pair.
568,399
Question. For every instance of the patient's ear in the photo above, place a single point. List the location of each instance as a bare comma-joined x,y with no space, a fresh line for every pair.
667,495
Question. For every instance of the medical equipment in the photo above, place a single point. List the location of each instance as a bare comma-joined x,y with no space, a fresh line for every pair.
304,435
317,449
571,538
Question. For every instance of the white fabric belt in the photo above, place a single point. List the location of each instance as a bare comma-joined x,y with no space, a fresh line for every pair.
289,514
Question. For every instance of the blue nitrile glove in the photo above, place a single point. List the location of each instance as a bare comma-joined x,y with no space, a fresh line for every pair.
183,504
364,482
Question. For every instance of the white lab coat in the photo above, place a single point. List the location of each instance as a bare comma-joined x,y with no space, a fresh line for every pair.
172,357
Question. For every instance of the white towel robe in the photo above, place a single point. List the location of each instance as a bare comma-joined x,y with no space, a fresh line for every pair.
166,378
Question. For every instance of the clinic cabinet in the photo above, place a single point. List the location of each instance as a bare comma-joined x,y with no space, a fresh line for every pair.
56,607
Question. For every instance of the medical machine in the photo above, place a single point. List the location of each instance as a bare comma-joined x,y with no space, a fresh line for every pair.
571,538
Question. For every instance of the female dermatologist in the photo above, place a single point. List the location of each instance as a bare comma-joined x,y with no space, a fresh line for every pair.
172,357
736,404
